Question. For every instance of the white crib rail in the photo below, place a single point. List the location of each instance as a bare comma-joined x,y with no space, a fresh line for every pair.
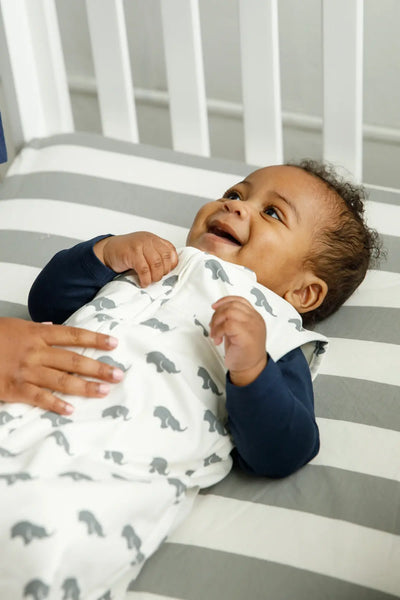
342,68
34,78
112,66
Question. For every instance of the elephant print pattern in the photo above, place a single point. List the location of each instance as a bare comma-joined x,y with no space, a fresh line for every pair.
112,479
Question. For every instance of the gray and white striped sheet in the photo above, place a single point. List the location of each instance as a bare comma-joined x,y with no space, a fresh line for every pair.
331,530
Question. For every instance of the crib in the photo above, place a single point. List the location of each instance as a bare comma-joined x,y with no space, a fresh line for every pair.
331,530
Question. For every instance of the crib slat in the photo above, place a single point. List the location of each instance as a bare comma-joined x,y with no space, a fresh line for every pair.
41,103
261,81
184,62
112,67
342,67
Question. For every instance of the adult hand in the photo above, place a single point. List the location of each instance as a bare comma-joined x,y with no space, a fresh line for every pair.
33,366
149,255
243,329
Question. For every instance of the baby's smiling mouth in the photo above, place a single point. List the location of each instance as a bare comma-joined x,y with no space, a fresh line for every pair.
222,233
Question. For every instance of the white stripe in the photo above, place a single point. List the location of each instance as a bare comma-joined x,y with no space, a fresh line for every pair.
357,447
384,217
16,281
122,167
361,359
331,547
79,220
379,288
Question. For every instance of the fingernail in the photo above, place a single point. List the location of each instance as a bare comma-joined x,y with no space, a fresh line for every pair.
47,322
112,341
117,374
103,388
68,409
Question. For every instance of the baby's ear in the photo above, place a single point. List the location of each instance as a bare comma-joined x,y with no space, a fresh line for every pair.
309,295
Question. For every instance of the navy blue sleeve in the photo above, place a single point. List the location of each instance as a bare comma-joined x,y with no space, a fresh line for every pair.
3,149
272,419
70,280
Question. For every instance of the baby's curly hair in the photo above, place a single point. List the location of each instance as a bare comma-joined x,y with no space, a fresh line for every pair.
342,253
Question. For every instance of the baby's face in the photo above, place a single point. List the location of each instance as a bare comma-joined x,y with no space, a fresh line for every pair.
266,223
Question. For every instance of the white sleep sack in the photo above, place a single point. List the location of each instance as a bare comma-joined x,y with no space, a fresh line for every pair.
86,499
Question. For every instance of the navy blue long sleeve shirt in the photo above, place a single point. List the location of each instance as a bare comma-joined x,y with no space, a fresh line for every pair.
271,420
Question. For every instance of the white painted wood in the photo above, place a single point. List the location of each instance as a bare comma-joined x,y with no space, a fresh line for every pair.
112,67
35,71
259,42
343,77
184,62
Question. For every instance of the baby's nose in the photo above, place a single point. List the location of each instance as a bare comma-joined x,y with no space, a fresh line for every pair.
236,207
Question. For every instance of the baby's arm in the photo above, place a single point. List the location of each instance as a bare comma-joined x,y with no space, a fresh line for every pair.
74,276
270,407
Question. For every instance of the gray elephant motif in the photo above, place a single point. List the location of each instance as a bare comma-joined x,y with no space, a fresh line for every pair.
161,362
113,363
167,419
5,417
156,324
126,279
6,453
61,441
170,281
214,423
12,478
71,589
37,589
105,596
115,456
180,488
213,458
159,465
297,323
101,303
55,419
93,526
197,322
217,270
76,476
133,541
261,300
29,531
208,382
116,411
319,347
101,317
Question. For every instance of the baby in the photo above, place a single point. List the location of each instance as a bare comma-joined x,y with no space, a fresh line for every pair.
213,361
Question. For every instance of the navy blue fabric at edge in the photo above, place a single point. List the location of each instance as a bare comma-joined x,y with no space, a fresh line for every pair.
271,420
3,149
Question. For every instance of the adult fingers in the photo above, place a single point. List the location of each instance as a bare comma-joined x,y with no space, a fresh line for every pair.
43,398
70,362
66,383
63,335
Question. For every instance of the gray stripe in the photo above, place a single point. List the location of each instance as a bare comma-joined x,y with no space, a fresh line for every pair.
366,402
325,491
375,324
192,573
146,151
31,248
388,196
12,309
392,261
163,205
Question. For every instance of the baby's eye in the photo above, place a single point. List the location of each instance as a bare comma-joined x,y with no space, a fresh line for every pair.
271,211
232,195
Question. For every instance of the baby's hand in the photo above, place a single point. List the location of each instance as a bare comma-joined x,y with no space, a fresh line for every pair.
244,332
150,256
